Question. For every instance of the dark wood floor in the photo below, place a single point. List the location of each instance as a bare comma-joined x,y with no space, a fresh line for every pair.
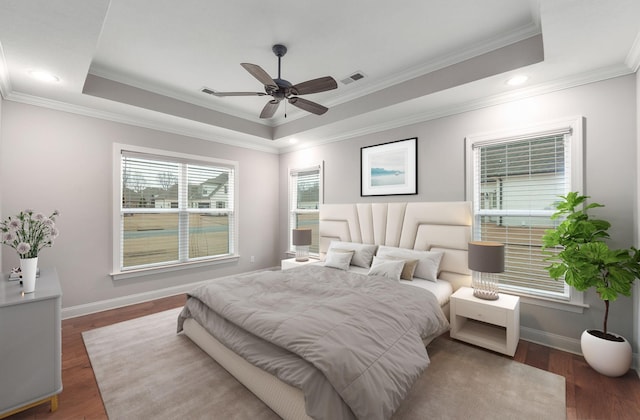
589,394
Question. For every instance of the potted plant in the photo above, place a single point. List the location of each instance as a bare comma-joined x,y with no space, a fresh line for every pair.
28,233
584,260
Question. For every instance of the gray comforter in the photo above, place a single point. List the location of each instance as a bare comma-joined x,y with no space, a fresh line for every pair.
351,343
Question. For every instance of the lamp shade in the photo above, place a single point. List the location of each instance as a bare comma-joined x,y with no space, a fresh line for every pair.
486,257
301,237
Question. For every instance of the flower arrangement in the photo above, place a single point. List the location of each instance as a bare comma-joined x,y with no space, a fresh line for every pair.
28,232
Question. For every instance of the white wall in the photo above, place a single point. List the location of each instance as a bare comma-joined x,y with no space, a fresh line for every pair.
58,160
636,289
609,108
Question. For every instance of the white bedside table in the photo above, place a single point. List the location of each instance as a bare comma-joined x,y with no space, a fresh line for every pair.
492,324
292,263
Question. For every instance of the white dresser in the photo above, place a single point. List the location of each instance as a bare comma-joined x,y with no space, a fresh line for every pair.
30,344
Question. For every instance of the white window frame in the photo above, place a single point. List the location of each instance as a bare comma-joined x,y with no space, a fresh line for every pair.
293,211
574,300
118,273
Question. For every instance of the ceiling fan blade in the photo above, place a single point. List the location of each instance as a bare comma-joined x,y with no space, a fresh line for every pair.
262,76
308,106
238,94
314,86
269,109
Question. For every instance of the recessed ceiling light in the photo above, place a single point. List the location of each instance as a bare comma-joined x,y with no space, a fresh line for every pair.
517,80
43,76
293,140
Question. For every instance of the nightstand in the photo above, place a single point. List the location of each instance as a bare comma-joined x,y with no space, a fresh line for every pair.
492,324
292,263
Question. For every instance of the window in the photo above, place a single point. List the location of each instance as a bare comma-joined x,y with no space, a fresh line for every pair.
305,192
172,209
514,180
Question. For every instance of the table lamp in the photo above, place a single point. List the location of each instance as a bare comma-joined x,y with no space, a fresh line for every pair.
301,240
486,258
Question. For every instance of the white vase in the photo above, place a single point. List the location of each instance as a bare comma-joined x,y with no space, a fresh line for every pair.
610,358
28,270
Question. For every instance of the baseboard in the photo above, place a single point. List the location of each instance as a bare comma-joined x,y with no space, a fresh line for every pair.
119,302
555,341
563,343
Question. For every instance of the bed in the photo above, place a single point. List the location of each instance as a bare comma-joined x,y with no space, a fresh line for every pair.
442,228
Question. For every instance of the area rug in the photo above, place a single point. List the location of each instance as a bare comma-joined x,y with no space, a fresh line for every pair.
147,371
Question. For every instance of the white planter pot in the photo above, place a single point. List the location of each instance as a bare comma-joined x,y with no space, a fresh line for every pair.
610,358
28,269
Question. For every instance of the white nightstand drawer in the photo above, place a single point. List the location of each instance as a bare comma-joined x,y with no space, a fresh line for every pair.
480,312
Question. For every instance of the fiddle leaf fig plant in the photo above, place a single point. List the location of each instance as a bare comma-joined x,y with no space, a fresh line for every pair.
583,258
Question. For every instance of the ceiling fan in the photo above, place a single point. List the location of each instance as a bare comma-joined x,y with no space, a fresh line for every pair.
281,89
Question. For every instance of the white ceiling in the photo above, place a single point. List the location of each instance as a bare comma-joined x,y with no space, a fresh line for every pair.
144,62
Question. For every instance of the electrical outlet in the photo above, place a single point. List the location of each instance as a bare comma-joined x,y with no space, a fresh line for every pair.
253,259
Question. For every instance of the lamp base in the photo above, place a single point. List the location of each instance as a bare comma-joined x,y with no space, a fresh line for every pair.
485,286
302,253
486,295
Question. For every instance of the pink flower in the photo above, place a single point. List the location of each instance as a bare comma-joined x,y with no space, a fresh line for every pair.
29,232
23,248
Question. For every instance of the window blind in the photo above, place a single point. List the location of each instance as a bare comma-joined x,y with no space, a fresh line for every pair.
516,184
304,202
174,210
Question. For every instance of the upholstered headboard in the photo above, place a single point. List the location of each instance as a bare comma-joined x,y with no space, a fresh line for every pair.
436,226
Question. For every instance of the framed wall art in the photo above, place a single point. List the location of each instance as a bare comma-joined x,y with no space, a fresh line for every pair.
389,168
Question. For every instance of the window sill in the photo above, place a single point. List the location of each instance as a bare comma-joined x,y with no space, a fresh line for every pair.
120,275
575,307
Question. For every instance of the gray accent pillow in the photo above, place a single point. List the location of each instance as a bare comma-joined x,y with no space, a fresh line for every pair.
363,253
409,267
428,261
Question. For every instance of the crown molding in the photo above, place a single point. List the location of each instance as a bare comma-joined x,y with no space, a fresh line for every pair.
479,48
633,57
172,93
198,130
447,60
420,117
5,82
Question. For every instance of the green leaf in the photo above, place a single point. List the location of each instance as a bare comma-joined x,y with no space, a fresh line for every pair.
585,260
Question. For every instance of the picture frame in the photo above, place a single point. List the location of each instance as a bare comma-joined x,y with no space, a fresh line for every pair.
389,168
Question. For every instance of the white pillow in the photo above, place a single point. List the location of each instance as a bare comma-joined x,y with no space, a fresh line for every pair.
338,258
387,268
363,253
428,261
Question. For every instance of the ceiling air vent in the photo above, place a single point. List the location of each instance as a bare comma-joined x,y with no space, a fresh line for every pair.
353,78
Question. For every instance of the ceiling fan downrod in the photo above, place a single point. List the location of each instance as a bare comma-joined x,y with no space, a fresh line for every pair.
279,50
